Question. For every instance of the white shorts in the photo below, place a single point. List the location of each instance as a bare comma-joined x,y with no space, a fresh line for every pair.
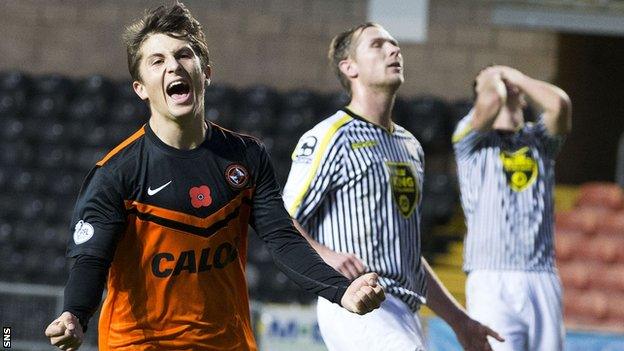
392,327
524,307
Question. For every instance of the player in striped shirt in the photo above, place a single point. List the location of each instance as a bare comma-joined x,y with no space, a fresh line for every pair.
506,174
162,219
355,187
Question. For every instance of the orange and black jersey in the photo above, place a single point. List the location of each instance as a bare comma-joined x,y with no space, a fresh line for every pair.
173,225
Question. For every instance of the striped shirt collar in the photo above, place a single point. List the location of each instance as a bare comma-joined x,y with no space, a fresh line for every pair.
358,117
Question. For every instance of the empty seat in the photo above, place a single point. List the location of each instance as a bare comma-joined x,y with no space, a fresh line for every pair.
11,127
44,106
428,120
332,103
220,95
129,111
53,84
16,154
94,85
54,156
459,109
440,198
293,123
254,121
260,96
11,103
567,243
302,100
601,194
88,107
583,219
15,81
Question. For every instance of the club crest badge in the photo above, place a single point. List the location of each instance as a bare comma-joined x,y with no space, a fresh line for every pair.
237,176
520,168
404,183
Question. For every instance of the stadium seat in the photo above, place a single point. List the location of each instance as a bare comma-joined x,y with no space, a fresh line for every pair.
11,127
428,120
88,107
15,81
260,96
584,219
41,107
254,121
95,85
11,103
576,274
440,197
332,102
16,154
131,110
53,156
567,243
601,194
608,278
458,109
299,99
219,102
293,123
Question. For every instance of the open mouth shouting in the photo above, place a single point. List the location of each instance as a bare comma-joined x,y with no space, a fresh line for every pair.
179,91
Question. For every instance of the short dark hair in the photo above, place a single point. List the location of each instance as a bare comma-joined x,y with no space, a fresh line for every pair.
340,48
174,20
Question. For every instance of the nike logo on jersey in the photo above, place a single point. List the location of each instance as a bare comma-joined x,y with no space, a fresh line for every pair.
151,192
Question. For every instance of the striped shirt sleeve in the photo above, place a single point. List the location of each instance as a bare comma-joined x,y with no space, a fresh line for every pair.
465,137
316,168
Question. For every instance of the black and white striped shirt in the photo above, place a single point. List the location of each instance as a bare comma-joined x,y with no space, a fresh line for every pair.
356,188
507,182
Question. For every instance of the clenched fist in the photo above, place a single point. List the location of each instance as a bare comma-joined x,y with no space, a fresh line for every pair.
363,295
65,332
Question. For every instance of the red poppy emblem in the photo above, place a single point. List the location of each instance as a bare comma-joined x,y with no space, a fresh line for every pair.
200,196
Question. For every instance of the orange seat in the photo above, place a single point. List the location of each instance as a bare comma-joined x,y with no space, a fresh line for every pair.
601,194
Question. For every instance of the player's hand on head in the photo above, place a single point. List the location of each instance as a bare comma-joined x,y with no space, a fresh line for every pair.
363,295
347,264
491,79
511,75
65,332
473,336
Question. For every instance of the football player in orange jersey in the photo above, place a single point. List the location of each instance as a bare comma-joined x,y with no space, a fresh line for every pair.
162,219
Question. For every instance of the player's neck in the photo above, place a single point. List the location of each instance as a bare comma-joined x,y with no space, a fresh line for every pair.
375,107
180,133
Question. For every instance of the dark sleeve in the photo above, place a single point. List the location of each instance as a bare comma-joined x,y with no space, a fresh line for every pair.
291,252
99,216
83,291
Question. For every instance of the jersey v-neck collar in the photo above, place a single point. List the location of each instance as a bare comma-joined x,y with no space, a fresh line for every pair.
172,151
358,117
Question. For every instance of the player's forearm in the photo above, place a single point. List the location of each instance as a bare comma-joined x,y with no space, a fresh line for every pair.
552,100
83,291
440,300
490,99
318,247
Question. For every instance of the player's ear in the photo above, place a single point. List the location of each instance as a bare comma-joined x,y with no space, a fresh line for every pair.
140,90
348,67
